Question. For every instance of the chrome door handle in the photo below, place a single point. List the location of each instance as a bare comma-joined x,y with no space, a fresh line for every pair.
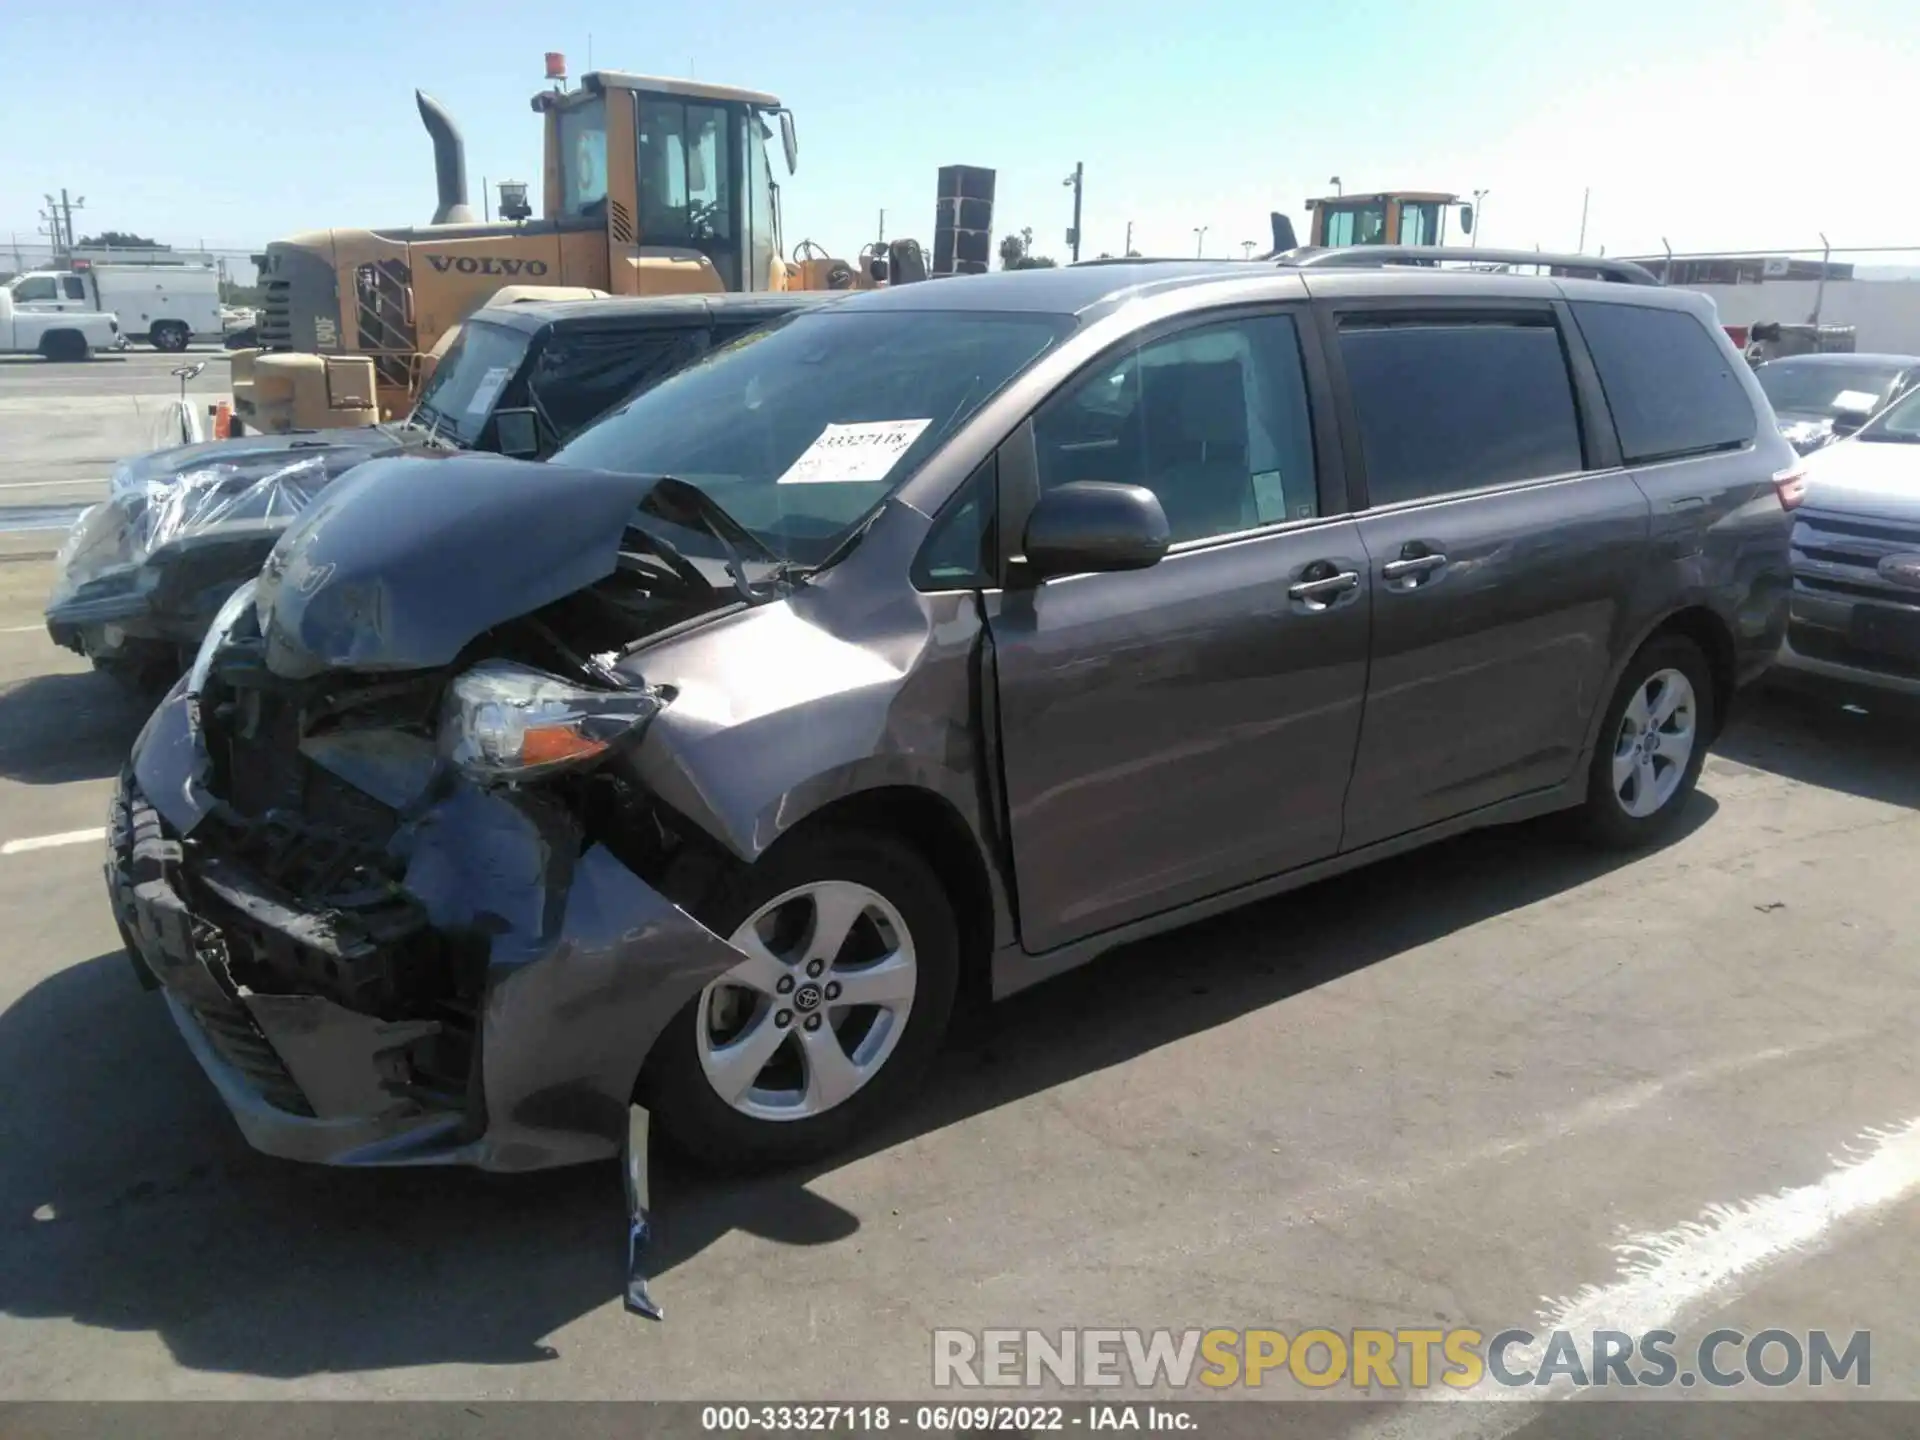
1417,565
1325,587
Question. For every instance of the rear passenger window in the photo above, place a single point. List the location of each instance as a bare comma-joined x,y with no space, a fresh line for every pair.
1213,420
75,287
1456,406
1669,384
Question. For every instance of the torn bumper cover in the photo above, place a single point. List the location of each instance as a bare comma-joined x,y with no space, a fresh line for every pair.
153,563
584,964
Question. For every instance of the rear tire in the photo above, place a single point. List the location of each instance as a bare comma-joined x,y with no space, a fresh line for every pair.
65,347
170,336
907,917
1652,743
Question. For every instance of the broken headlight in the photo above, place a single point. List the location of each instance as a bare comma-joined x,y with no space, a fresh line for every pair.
502,721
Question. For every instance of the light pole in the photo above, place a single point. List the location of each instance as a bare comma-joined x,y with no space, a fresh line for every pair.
1074,180
1199,241
1129,247
1334,181
1246,249
1479,214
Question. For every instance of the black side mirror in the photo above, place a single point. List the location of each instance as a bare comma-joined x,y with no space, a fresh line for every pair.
1092,526
517,432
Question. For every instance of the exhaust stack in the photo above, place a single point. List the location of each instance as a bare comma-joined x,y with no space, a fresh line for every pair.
449,162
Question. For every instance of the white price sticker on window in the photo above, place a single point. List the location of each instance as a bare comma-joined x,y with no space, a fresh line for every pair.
844,453
488,390
1855,400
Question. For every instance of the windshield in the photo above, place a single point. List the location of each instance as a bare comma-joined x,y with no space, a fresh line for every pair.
799,431
1817,389
470,379
583,159
1899,423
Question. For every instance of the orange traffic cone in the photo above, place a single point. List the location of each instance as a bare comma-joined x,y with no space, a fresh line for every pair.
222,420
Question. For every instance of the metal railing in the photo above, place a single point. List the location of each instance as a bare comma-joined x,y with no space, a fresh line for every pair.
1382,257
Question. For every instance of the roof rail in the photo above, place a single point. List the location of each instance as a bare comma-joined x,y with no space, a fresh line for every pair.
1369,257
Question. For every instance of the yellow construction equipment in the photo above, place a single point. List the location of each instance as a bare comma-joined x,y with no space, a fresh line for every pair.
652,187
1390,217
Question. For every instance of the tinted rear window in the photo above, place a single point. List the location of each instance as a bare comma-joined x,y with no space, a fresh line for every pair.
1449,407
1670,385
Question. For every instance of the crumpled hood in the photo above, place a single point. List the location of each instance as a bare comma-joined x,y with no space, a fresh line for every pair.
404,561
1866,477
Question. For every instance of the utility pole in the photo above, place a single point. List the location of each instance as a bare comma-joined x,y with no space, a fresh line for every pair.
1128,250
1074,180
1199,241
59,218
1585,196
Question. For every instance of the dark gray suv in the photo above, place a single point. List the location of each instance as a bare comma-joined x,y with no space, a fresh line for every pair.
950,633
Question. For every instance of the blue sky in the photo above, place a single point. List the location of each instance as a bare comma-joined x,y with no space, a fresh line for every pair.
1712,124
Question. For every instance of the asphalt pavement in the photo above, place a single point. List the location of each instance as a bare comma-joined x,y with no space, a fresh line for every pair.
1505,1082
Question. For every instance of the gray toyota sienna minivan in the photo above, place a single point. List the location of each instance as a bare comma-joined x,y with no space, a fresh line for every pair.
961,630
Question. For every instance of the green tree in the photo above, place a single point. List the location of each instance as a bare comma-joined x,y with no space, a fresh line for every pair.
118,240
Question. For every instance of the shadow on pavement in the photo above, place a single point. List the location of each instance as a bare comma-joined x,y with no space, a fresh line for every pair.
153,1215
1860,745
73,726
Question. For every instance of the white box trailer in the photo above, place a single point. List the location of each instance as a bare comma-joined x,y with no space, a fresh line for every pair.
165,306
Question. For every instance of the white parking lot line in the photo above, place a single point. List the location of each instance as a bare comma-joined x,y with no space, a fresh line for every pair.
22,629
48,484
47,842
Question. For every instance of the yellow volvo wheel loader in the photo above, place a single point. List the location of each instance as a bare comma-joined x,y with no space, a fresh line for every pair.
652,187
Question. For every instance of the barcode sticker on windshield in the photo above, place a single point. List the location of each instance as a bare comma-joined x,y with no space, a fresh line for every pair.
488,390
854,452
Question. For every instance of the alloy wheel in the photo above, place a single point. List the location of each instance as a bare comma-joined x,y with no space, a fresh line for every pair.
1655,743
814,1011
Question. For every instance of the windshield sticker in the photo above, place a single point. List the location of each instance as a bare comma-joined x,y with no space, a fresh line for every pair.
851,453
1855,400
488,390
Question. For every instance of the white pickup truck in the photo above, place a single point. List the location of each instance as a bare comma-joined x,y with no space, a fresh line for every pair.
167,306
72,335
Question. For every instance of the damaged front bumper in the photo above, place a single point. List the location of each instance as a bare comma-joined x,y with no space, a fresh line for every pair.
584,964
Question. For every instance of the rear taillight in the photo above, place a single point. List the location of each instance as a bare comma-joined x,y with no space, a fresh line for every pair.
1791,487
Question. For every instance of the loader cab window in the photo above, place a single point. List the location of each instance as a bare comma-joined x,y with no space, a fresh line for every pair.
1420,223
688,161
761,232
583,159
1356,224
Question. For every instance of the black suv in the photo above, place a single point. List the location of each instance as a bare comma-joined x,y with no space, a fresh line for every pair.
143,574
950,634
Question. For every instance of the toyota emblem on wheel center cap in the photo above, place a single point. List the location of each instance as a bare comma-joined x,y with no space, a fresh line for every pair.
1901,569
807,998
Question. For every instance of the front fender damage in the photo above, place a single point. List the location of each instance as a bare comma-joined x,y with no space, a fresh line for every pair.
585,963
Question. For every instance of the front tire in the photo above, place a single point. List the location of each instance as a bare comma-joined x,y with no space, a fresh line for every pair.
1652,744
829,1025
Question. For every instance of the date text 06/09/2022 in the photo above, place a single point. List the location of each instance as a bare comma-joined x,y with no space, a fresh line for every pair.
943,1419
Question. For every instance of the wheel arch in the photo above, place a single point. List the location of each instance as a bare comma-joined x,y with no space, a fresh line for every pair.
935,828
1706,628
